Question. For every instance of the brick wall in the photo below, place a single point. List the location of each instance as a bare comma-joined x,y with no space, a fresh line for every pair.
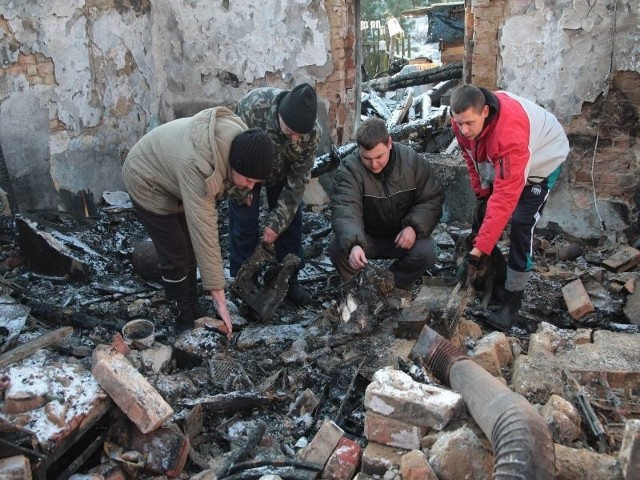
339,89
487,17
611,127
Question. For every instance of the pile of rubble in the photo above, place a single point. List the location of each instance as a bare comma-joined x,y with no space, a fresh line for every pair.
343,387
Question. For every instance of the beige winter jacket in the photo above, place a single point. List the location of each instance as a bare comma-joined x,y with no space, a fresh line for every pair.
181,166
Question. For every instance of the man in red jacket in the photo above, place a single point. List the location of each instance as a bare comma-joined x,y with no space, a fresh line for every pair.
514,150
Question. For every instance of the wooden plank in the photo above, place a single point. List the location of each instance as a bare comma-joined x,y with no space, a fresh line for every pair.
23,351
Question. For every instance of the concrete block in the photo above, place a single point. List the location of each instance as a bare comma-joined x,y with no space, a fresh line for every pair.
129,389
377,459
629,454
323,444
577,299
395,433
344,461
396,395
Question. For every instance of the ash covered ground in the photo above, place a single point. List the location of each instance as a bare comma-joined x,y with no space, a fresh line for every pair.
300,349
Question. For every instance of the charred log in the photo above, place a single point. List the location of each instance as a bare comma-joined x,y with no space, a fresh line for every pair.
423,77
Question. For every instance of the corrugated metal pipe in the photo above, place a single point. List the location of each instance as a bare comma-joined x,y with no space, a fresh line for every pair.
521,442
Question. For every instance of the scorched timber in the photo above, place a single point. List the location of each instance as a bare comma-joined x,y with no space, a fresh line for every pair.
423,77
231,402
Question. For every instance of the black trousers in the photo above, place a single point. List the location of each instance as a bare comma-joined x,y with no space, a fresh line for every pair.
244,233
170,236
409,266
523,222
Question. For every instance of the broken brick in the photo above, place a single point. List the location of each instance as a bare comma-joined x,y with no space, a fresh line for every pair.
396,395
129,389
344,461
395,433
377,459
415,466
321,447
623,259
577,299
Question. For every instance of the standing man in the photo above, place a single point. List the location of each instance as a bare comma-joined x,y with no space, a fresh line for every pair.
289,119
386,204
174,175
514,150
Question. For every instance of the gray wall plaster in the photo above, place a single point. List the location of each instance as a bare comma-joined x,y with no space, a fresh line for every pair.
121,70
558,53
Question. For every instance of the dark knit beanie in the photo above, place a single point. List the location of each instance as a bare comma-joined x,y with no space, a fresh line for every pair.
251,154
299,108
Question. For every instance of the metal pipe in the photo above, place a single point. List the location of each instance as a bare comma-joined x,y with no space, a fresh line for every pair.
521,442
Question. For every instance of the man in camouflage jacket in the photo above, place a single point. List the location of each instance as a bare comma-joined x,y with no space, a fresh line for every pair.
289,119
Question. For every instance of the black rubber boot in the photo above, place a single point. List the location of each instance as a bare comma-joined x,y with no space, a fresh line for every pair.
297,294
196,308
178,292
504,318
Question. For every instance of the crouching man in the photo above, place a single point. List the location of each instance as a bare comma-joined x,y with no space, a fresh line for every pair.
385,205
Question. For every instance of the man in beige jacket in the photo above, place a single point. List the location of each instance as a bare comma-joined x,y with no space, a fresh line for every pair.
174,175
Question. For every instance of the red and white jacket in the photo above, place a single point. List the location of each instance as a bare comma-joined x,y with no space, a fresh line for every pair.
521,142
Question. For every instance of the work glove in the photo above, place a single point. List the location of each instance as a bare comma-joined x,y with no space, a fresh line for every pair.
467,270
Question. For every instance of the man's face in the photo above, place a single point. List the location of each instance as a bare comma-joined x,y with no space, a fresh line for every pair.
241,181
377,158
287,132
471,121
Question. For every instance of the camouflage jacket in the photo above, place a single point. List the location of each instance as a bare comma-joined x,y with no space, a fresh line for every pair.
292,162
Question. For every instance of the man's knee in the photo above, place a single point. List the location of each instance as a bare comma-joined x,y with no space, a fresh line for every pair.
424,251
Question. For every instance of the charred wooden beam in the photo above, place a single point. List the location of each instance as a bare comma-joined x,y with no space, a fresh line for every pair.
56,316
400,112
254,437
23,351
51,252
329,161
422,77
231,402
262,282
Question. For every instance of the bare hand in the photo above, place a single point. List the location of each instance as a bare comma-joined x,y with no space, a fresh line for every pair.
220,304
406,238
357,258
269,236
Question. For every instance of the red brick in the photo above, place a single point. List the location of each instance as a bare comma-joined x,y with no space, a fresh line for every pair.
344,461
395,433
577,299
321,447
129,389
377,459
414,466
